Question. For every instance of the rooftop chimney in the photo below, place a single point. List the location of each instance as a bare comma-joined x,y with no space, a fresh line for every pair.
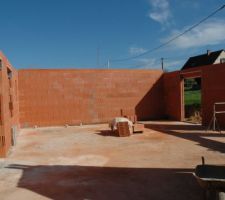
208,52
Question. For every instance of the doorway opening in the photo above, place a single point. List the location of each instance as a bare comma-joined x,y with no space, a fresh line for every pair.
192,100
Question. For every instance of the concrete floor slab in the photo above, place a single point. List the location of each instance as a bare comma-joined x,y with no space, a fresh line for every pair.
87,162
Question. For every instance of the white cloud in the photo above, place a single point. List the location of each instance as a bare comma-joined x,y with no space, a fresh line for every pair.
208,33
153,63
160,11
136,50
173,64
148,63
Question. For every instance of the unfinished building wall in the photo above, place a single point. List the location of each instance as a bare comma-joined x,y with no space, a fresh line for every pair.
58,97
213,90
173,95
9,115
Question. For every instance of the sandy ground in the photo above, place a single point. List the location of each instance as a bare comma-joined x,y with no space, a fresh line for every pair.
88,162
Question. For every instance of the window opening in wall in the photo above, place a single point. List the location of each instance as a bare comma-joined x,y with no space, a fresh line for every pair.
9,74
0,64
222,60
192,100
0,110
15,89
2,141
11,105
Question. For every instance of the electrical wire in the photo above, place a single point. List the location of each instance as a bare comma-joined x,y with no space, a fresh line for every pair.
172,39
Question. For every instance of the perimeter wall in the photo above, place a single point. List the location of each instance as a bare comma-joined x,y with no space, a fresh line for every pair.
59,97
63,96
213,90
9,109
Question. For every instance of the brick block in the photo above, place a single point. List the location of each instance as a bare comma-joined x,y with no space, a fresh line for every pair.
138,128
123,129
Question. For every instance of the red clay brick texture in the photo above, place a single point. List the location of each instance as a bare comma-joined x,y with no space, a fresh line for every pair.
58,97
173,95
213,90
9,104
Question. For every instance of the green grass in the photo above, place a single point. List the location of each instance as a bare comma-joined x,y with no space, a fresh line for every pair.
192,97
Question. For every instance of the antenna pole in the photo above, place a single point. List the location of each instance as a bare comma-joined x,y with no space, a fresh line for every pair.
162,62
108,64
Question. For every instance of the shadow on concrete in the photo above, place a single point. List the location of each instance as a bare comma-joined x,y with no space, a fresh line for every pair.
201,136
100,183
137,132
107,133
114,133
151,105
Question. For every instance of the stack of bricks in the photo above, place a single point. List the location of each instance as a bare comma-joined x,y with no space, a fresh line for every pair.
123,129
138,128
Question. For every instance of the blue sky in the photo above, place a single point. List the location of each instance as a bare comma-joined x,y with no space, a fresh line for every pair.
69,33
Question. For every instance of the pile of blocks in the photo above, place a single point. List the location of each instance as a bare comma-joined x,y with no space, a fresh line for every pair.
123,129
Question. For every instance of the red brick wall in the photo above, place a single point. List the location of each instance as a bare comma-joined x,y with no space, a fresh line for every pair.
9,105
213,90
58,97
173,95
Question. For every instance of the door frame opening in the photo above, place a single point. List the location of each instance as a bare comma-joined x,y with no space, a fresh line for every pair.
188,75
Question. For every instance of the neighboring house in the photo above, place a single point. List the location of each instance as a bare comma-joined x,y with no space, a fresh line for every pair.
209,58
